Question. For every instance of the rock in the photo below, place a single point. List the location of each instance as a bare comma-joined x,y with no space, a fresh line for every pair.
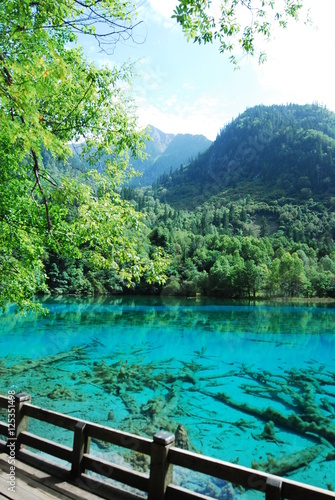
59,393
268,433
182,440
227,492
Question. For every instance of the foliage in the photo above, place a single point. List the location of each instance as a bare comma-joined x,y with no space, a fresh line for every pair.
237,24
251,216
217,250
226,256
235,221
50,96
238,243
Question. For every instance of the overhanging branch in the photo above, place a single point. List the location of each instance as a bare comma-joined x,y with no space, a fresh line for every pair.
40,187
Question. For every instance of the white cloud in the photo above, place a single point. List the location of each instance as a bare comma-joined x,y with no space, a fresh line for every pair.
189,86
300,67
206,115
152,78
164,8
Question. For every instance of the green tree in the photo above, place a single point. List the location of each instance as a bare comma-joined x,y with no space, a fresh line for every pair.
252,278
220,278
50,96
291,275
272,279
264,228
237,24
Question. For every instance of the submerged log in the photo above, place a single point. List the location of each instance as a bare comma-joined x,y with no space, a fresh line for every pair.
288,463
44,362
293,422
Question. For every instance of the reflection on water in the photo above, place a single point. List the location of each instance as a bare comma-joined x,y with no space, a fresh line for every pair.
251,384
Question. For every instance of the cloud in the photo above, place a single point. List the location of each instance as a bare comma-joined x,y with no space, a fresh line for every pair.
205,115
299,68
152,78
189,86
160,12
164,8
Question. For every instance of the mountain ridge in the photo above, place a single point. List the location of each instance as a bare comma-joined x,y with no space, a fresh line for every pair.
270,152
165,152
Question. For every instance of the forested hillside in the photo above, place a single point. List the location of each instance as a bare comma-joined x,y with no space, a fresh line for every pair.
268,152
253,216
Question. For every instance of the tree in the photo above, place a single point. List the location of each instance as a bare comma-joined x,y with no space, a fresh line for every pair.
202,24
220,278
292,276
50,96
264,228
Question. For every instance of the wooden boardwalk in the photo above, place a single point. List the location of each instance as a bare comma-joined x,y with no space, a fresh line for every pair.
34,484
73,472
31,483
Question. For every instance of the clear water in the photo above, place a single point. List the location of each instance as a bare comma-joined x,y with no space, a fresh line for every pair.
145,364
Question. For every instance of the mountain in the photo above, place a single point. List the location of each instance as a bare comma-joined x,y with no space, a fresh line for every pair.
166,152
253,216
268,152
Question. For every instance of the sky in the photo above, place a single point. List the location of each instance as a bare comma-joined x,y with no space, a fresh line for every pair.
184,87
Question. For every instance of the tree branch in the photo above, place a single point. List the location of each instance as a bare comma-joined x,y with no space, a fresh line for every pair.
38,183
49,179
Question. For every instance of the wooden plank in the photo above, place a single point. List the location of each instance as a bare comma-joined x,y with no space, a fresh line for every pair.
51,417
273,488
107,491
232,473
161,470
27,487
107,434
3,429
20,419
85,484
49,447
40,462
81,445
119,438
132,478
3,401
249,478
300,491
174,492
52,486
31,491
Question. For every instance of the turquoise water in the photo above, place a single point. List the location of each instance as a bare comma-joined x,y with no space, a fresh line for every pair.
143,365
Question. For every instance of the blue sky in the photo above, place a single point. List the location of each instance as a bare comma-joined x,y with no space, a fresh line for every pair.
186,88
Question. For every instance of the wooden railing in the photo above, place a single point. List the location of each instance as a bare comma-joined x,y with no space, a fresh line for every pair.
163,456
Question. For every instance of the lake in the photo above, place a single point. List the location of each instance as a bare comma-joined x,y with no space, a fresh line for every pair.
250,384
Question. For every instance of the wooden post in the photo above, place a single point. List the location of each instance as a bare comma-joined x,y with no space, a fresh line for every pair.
273,488
81,445
20,420
160,469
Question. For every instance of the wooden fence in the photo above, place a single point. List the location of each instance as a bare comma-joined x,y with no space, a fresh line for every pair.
157,484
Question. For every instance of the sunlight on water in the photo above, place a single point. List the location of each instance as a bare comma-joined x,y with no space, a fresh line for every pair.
232,375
